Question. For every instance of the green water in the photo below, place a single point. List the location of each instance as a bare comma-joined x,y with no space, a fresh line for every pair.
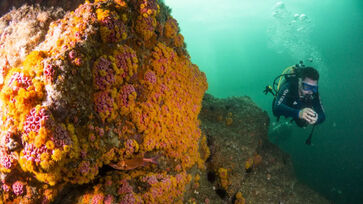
241,46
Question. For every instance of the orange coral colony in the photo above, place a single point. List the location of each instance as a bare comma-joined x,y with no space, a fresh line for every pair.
111,84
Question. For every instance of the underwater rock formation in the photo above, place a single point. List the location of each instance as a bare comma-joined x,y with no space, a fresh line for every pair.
235,129
243,166
105,94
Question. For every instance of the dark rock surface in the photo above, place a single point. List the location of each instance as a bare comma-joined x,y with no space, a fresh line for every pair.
236,131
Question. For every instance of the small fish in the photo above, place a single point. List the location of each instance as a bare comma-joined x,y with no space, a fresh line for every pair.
134,163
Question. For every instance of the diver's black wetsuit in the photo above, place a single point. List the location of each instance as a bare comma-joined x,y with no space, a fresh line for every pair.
288,103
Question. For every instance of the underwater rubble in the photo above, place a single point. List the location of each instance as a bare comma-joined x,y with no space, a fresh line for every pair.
100,103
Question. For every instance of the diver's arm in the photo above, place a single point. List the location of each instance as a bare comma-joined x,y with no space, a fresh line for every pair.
280,106
318,107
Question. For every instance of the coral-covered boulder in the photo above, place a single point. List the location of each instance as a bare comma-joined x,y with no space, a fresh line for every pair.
109,86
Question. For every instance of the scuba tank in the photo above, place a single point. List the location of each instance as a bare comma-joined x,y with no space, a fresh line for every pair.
289,73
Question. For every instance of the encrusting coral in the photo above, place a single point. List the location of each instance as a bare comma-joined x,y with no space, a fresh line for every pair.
223,176
239,199
110,84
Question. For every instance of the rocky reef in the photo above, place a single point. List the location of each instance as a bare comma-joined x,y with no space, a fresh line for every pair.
100,103
109,85
243,166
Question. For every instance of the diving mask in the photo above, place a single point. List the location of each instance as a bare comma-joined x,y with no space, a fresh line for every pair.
308,87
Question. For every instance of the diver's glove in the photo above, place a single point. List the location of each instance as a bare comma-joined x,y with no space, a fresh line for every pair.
309,115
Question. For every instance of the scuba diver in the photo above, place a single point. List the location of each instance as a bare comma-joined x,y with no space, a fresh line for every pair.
297,96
